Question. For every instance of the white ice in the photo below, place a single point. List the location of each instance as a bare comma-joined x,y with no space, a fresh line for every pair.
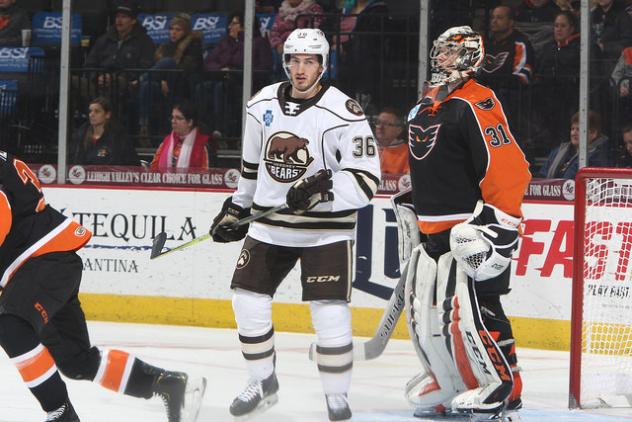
376,395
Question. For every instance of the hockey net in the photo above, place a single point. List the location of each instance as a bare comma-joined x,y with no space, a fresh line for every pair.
601,321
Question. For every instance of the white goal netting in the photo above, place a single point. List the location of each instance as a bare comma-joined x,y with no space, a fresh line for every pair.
606,325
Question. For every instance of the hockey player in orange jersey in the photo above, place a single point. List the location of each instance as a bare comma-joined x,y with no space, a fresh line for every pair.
468,179
42,326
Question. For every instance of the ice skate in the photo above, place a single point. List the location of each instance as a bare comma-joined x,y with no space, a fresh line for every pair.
338,407
182,397
65,413
257,397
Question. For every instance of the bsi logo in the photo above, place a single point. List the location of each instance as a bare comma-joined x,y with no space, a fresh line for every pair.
155,22
13,53
52,22
206,23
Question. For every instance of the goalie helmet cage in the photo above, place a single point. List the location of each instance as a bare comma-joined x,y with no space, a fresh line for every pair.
601,316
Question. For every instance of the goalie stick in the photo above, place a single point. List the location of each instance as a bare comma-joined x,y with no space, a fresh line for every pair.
374,347
159,241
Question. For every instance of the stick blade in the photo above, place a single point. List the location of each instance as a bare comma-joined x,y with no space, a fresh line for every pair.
158,244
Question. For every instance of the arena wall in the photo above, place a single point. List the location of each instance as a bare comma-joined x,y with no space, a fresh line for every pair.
191,287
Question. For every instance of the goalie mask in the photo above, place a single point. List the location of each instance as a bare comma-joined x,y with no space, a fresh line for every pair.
306,41
456,54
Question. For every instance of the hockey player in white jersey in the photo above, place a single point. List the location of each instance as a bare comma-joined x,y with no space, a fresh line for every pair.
308,145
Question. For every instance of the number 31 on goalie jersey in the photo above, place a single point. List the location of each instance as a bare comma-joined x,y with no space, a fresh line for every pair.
498,135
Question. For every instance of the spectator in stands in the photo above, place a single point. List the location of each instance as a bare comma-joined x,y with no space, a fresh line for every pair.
393,147
557,76
508,65
536,11
291,15
625,159
186,147
101,140
563,162
12,21
125,45
612,28
228,54
622,73
363,49
183,51
229,51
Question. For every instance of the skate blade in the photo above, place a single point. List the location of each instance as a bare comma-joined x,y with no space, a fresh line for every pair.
264,405
482,417
193,400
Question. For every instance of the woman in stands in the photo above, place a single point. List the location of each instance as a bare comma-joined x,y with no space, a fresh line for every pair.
186,147
183,51
101,140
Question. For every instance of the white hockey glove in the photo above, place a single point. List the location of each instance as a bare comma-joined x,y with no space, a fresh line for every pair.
407,230
311,191
482,245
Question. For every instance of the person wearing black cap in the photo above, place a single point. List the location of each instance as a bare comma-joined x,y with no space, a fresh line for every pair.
125,45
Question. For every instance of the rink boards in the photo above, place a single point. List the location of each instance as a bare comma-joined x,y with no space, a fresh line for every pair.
191,287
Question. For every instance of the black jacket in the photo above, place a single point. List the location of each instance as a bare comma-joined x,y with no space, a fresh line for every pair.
560,62
113,148
613,28
136,52
527,13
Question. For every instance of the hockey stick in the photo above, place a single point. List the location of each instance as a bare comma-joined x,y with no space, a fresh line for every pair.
159,241
375,346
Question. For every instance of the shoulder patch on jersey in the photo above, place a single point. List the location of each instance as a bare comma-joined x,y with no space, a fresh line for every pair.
354,108
413,112
486,104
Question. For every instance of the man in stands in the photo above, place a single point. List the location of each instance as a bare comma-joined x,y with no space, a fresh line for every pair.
42,326
468,179
125,45
508,64
12,21
625,159
392,146
536,11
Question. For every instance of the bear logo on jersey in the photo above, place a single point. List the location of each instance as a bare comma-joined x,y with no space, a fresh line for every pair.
287,157
421,140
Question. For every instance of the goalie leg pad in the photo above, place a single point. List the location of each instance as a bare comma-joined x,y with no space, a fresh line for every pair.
433,389
482,365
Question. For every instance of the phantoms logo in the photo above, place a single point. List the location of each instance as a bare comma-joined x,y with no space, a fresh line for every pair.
287,157
421,140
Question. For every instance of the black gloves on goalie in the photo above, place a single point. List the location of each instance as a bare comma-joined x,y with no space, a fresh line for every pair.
483,245
307,193
223,229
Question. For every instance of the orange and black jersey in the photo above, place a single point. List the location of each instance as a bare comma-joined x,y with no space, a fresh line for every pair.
28,226
461,150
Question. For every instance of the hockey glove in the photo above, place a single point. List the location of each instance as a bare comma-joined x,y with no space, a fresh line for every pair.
222,229
307,193
482,246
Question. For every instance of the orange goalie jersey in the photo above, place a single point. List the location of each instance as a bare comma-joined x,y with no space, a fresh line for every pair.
28,226
462,150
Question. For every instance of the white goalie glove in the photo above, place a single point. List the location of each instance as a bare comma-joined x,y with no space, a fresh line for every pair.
482,246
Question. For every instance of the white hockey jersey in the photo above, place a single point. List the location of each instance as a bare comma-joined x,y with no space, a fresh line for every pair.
286,140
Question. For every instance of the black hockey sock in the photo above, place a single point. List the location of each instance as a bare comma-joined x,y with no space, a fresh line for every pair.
141,379
33,361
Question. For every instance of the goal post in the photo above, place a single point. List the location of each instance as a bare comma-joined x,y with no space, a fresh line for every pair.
601,314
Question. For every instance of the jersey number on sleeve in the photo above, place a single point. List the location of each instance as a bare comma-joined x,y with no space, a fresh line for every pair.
498,134
27,176
364,146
